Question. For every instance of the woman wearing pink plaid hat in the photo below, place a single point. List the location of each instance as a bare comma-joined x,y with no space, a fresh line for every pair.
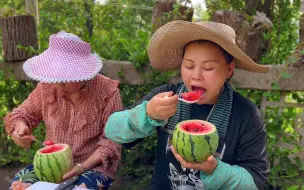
74,101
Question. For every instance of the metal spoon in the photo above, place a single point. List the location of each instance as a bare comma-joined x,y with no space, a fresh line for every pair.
186,101
38,141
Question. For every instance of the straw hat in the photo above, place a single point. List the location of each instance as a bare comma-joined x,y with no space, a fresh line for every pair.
167,43
67,59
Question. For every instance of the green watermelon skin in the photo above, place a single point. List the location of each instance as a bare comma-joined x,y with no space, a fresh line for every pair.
195,147
51,167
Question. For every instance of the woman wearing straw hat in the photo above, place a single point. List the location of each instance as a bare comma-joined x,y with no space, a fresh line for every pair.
206,54
74,101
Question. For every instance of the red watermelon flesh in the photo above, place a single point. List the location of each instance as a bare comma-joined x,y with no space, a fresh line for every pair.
193,95
52,149
196,127
48,143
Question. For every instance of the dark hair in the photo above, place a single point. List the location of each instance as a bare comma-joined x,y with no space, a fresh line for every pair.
228,57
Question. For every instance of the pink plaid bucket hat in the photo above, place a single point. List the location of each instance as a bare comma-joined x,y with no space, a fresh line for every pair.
67,59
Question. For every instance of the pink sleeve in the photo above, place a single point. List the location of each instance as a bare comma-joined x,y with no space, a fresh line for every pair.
30,111
108,148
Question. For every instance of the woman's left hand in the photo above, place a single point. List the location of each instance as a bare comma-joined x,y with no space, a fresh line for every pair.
208,166
76,170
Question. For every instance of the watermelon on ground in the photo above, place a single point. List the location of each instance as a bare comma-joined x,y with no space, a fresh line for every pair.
52,162
195,140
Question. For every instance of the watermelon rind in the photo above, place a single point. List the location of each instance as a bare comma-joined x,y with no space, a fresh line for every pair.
195,147
50,167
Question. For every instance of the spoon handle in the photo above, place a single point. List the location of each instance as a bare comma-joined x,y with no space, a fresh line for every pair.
186,101
38,141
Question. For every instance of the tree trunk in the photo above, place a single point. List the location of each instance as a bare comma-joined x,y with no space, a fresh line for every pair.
89,22
302,28
18,30
31,7
266,8
251,6
248,38
159,18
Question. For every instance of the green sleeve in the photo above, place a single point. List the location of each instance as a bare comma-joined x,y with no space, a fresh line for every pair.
227,176
129,125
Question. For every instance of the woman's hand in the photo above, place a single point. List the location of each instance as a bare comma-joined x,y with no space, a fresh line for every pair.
162,106
208,166
95,159
76,170
21,135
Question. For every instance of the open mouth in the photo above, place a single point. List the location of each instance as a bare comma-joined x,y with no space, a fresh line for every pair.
199,90
195,94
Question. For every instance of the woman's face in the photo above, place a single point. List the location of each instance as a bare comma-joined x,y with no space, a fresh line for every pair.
69,87
204,67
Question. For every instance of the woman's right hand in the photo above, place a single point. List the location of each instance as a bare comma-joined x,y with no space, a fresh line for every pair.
162,106
21,135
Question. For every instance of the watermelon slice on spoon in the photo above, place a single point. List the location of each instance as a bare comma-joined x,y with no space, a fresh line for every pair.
192,97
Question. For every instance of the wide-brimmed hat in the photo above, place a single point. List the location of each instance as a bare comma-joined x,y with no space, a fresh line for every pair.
67,59
167,43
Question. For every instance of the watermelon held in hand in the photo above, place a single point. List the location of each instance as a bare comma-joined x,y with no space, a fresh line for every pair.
52,162
195,140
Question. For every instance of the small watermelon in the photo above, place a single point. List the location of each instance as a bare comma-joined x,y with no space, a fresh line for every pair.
195,140
193,95
52,162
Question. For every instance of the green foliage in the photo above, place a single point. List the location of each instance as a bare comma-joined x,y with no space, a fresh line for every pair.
175,14
284,34
214,5
13,93
123,36
12,8
283,142
283,137
138,163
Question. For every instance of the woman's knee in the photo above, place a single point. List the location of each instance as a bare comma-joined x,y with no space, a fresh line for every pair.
94,180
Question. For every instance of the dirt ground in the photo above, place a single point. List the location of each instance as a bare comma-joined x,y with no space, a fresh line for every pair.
7,174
